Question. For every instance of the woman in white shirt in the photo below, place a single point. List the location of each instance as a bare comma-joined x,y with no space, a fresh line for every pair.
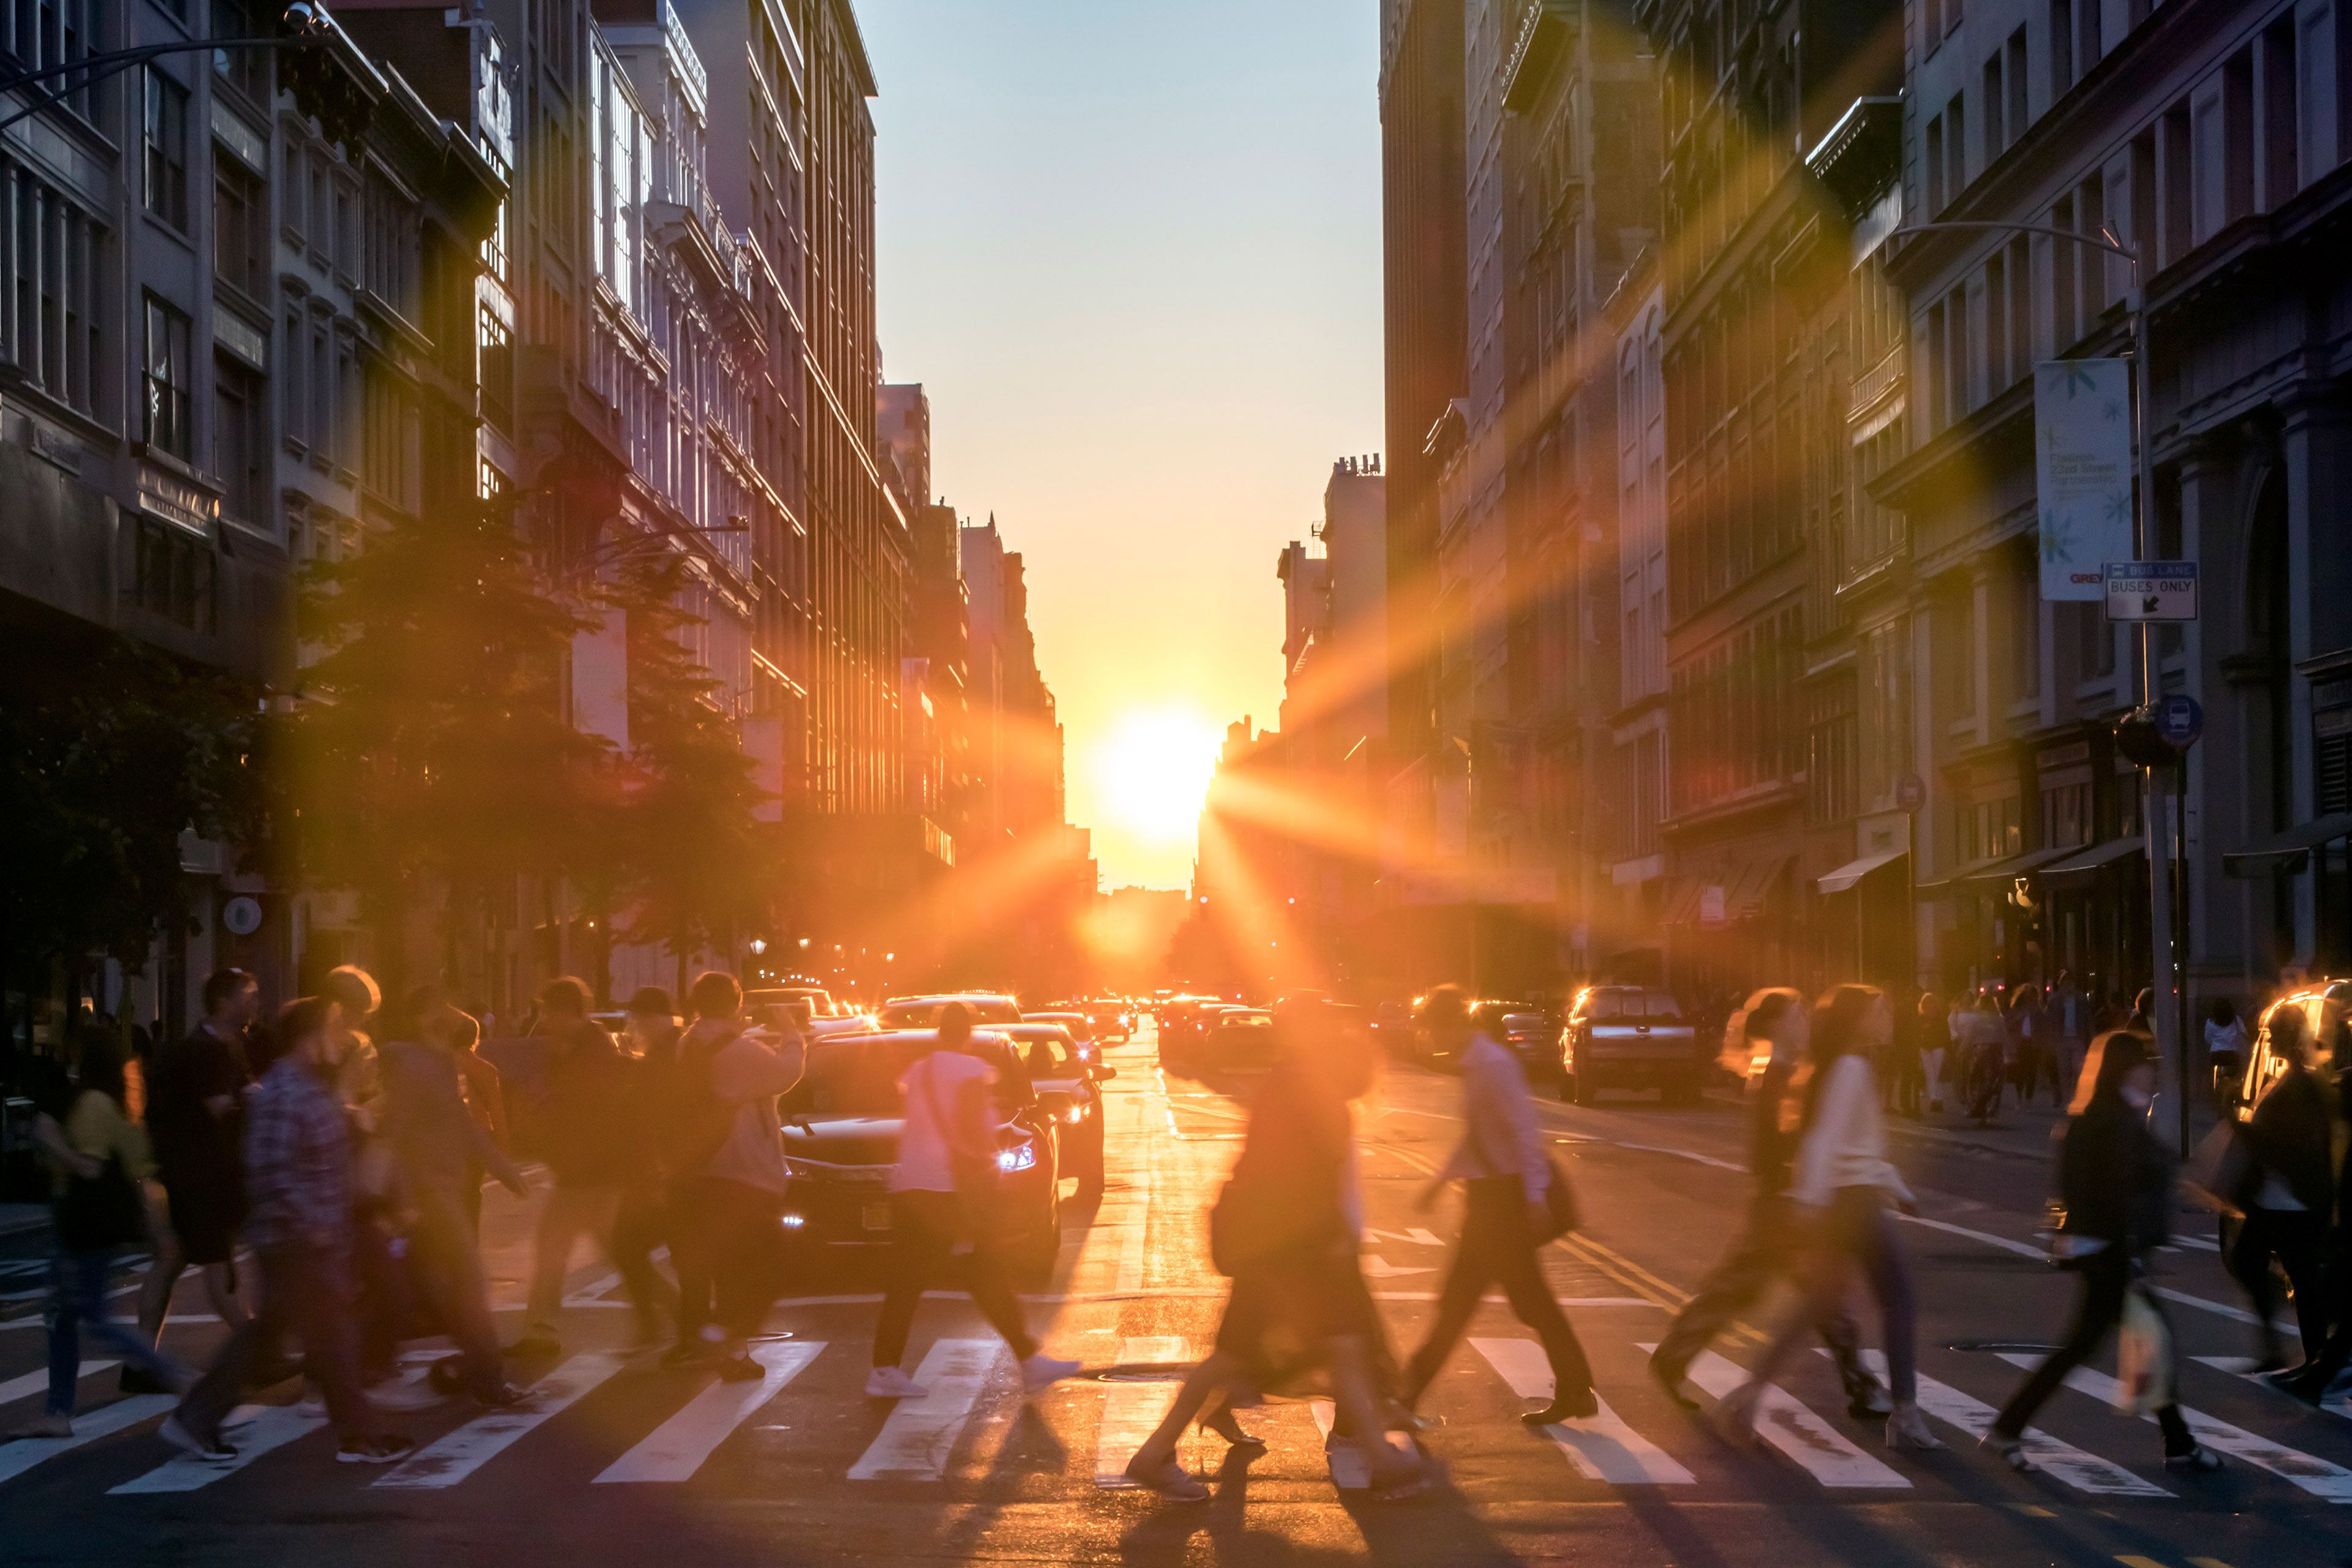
1842,1183
948,1143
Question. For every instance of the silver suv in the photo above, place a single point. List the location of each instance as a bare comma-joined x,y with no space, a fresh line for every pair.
1632,1037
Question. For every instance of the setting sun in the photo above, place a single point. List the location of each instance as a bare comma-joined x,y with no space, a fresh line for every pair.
1153,770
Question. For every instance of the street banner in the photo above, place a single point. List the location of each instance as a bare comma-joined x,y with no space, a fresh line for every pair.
2083,472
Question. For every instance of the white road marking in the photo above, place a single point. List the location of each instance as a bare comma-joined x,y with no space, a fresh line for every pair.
1603,1448
1130,1410
454,1456
36,1381
1784,1422
253,1430
2243,1366
677,1448
2317,1477
915,1442
22,1455
2062,1461
1377,1268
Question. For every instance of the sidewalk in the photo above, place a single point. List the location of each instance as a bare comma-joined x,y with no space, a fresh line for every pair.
2025,1134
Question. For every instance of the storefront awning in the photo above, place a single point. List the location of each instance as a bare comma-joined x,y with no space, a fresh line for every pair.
1977,876
2082,863
1853,871
1745,885
2288,851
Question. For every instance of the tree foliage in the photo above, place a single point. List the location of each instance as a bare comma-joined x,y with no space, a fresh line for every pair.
113,751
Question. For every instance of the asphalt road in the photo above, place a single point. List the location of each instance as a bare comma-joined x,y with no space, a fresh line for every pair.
619,1460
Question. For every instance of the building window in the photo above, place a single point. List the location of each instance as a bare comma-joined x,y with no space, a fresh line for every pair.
247,70
1935,165
240,442
2025,634
1990,830
165,147
240,231
50,260
166,382
171,575
498,372
45,34
2066,814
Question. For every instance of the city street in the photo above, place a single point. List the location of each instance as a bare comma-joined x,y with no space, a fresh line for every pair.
617,1459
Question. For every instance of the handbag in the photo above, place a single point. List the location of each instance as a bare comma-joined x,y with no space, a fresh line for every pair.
2222,1173
2143,1357
98,1213
1562,1212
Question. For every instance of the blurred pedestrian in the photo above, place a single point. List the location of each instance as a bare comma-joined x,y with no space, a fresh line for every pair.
486,1100
1935,1038
592,1134
2022,1040
2291,1136
442,1151
298,1177
377,1266
641,1222
1984,1043
947,1160
1776,1025
1843,1181
195,1116
1282,1232
1507,1177
2225,1049
96,1157
1907,1068
2115,1181
2311,1382
728,1186
2070,1010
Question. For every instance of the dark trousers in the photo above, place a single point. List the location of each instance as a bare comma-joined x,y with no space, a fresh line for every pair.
78,1282
2298,1239
380,1267
1496,1245
923,1227
2106,1276
1770,1249
642,1224
445,1261
726,1246
308,1290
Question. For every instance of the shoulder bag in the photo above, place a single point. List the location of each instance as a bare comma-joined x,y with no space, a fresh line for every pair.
100,1213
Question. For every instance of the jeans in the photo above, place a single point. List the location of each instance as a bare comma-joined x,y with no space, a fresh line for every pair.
1496,1245
1769,1249
2107,1276
923,1230
448,1263
1931,1064
1856,1228
307,1289
77,1283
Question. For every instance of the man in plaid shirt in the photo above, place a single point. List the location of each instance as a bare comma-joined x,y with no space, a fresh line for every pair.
298,1174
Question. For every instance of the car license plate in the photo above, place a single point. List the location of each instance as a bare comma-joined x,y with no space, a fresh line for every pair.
876,1216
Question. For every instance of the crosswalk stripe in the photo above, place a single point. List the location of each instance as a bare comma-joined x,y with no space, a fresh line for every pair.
454,1456
1130,1410
1603,1448
677,1448
915,1442
22,1455
1784,1422
2315,1475
2061,1461
35,1382
2243,1366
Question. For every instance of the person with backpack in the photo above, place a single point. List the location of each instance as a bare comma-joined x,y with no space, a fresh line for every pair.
725,1151
96,1156
946,1161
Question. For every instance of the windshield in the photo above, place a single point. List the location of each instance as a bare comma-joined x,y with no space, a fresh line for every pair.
1245,1021
859,1076
923,1013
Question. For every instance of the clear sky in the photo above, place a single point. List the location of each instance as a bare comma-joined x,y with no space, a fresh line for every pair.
1133,250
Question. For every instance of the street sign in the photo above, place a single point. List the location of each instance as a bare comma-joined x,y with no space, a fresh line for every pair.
2151,590
2180,721
1911,793
1710,905
242,915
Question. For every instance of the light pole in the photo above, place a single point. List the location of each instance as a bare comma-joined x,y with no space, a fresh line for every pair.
310,28
2170,1021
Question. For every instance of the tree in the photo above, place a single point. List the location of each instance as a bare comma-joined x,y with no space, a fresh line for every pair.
113,751
429,755
695,861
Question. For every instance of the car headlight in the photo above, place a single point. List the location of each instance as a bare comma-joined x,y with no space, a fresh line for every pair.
793,1221
1021,1157
1075,1114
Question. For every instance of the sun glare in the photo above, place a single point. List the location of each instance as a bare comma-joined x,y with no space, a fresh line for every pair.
1153,770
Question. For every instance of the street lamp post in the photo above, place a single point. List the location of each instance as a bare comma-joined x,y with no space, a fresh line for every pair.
311,27
2170,1020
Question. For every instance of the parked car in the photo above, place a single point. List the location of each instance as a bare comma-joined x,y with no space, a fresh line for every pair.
1631,1037
2265,1064
841,1127
1238,1039
1530,1035
1067,1079
923,1012
820,1003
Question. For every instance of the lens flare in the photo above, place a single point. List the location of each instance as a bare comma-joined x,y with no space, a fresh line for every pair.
1153,770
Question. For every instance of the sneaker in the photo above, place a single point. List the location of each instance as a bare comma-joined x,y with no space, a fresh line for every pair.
2200,1459
139,1380
505,1396
43,1426
741,1369
1041,1372
399,1393
313,1402
212,1450
889,1382
375,1448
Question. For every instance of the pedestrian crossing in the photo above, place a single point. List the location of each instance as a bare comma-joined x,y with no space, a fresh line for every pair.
655,1427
